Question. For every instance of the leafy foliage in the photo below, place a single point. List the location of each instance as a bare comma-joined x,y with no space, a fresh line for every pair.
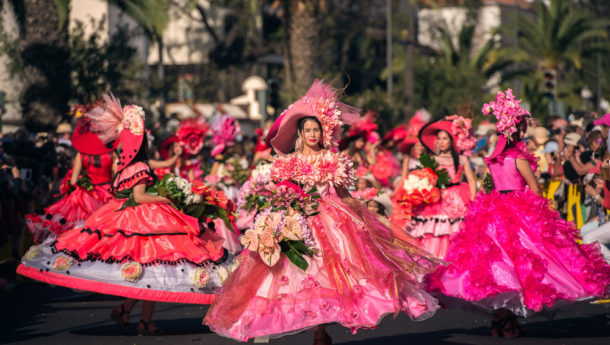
443,178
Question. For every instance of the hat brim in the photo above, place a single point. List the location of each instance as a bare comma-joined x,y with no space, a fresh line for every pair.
131,145
87,142
166,145
427,135
283,141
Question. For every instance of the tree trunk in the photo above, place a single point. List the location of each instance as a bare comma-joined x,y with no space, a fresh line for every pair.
161,81
303,35
45,54
410,56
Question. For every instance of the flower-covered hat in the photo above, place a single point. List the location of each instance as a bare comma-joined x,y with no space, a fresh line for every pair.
417,122
364,128
320,101
509,113
225,129
111,122
457,126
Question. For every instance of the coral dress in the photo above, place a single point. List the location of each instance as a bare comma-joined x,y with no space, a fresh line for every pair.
73,210
360,273
434,224
513,250
148,251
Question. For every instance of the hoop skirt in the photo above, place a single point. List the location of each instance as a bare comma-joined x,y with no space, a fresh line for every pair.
148,251
359,274
515,252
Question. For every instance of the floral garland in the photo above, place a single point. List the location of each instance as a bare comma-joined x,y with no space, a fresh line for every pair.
508,111
327,168
461,129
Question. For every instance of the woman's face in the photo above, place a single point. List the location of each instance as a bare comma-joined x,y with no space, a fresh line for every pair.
359,144
443,141
595,144
373,206
522,126
361,184
311,134
418,150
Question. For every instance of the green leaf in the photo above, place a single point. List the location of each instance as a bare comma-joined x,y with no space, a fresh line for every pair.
300,247
297,259
130,202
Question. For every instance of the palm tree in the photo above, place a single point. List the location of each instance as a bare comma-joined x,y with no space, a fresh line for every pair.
559,37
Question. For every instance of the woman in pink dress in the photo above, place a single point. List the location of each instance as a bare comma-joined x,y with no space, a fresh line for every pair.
514,254
359,273
434,224
94,161
139,247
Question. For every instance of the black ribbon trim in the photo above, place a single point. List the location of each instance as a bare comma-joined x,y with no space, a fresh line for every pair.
94,257
122,232
438,220
147,174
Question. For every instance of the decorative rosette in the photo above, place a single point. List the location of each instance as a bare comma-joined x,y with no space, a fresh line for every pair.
461,129
201,277
133,116
131,271
62,263
223,274
508,111
33,252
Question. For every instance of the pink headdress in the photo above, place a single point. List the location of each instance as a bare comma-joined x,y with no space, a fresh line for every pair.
417,122
191,134
225,130
322,102
508,111
111,121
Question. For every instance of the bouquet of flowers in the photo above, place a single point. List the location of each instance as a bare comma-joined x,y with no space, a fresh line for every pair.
282,226
84,182
194,199
423,185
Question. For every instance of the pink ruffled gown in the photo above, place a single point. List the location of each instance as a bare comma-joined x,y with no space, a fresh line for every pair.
514,252
433,225
360,274
74,209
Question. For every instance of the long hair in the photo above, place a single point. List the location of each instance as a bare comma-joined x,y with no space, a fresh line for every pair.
454,155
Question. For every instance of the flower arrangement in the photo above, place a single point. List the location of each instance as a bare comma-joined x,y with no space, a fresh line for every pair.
133,119
330,168
422,186
461,129
84,182
508,111
282,226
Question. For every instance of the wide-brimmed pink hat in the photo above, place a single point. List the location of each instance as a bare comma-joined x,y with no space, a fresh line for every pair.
321,101
458,127
84,140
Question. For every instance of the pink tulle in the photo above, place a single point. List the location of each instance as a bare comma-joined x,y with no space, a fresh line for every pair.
513,251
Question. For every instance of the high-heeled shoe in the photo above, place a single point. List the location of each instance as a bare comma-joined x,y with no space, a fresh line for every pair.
118,318
148,332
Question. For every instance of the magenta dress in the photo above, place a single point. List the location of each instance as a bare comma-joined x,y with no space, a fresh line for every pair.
433,225
513,251
360,273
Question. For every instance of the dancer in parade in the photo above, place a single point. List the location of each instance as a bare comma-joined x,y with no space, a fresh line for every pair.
513,254
434,223
136,245
308,265
85,187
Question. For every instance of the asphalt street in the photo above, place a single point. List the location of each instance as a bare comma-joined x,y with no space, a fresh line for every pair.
35,313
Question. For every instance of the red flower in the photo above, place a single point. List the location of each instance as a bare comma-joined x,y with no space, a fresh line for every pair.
192,138
426,173
201,189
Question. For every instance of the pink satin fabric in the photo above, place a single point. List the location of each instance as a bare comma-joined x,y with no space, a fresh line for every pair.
361,273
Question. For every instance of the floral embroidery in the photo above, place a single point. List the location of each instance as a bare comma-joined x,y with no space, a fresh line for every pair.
33,252
131,271
62,263
201,277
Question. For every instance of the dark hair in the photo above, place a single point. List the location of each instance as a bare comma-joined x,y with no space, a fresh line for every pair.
454,155
380,207
301,125
142,155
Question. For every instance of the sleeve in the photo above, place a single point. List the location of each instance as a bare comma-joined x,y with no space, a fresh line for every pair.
137,173
586,157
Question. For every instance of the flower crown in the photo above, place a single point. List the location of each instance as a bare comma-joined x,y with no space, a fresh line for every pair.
461,128
508,111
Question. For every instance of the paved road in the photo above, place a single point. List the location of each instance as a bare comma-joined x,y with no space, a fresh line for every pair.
33,313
